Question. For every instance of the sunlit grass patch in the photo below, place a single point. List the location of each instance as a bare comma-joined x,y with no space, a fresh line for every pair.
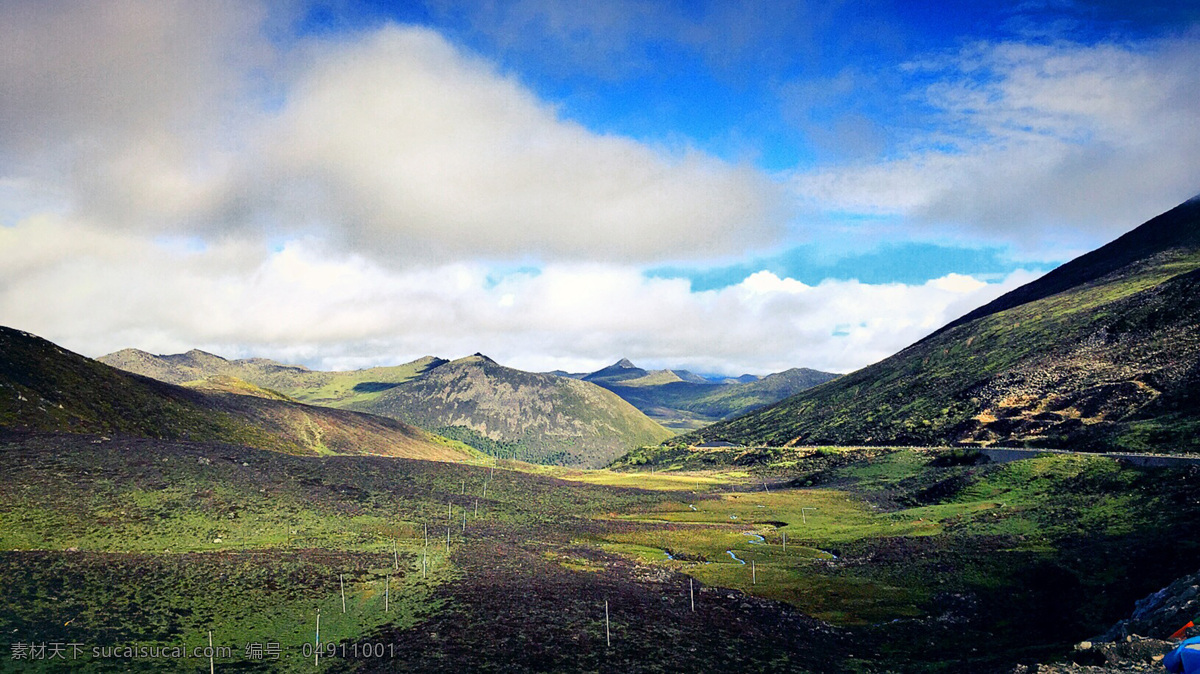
841,599
692,481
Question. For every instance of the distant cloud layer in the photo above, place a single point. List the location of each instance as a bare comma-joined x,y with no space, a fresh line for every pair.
98,293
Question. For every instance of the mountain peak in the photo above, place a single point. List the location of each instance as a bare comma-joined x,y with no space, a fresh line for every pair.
197,354
625,364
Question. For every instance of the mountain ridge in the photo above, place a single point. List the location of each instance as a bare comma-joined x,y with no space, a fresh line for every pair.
475,401
685,401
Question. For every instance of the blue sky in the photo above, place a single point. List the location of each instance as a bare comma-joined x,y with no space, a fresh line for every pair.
725,186
781,86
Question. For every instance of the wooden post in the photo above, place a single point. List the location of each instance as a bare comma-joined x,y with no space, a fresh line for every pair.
692,593
464,487
317,645
395,556
607,633
785,542
342,585
387,593
211,668
447,538
464,522
427,534
476,508
425,564
753,575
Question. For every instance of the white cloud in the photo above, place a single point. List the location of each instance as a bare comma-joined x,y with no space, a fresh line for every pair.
416,149
183,117
98,293
1039,144
124,108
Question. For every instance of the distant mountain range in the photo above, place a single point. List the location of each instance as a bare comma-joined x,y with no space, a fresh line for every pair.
535,417
1103,353
498,410
47,388
682,400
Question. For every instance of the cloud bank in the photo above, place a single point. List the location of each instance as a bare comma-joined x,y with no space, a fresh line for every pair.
1037,144
97,294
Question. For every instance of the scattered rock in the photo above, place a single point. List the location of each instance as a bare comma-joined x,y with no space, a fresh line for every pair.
1162,613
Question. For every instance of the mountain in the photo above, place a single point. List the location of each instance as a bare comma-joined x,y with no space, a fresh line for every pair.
1102,353
685,401
331,389
541,418
504,412
621,371
45,387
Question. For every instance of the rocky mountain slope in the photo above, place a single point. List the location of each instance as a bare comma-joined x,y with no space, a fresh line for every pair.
1102,353
506,412
45,387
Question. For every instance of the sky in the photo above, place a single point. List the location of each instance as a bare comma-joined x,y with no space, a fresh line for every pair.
725,186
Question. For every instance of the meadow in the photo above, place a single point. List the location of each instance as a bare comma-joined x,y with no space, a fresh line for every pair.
895,560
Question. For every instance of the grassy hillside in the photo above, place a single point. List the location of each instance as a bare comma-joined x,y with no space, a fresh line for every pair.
533,417
332,389
45,387
1101,354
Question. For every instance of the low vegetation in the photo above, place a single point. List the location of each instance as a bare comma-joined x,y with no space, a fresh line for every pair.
896,560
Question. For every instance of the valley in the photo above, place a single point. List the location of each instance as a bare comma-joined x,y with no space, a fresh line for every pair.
463,515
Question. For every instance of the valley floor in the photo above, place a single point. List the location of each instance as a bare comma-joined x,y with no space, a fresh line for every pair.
895,560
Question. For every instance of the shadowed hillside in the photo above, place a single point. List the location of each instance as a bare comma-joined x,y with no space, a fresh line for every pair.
46,387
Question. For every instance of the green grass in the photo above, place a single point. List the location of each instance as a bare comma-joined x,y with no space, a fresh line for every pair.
175,600
896,534
1022,512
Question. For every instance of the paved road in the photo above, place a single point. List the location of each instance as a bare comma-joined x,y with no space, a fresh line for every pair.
1005,454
